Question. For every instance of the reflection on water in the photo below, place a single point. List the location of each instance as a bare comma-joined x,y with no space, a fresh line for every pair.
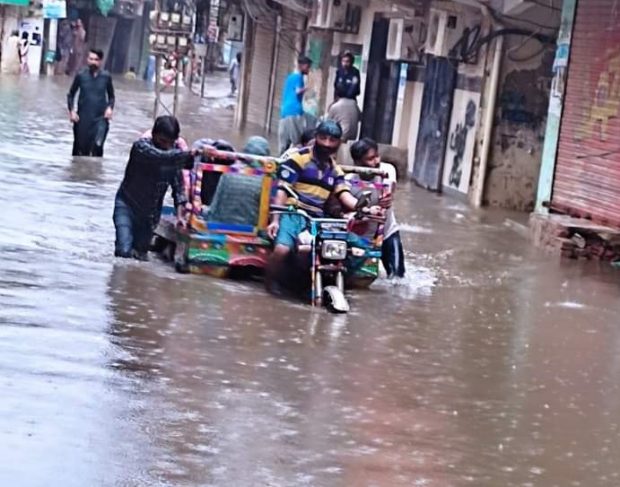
488,365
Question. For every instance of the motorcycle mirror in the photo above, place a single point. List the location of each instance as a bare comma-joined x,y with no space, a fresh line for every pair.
364,200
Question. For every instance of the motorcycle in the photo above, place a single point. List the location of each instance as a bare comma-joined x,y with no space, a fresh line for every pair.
328,243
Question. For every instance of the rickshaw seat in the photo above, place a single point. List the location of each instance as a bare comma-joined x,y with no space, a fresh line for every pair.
236,200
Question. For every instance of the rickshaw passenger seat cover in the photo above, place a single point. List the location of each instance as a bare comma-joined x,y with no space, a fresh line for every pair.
375,196
236,200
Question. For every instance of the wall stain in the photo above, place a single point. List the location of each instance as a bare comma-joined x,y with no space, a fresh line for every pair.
519,135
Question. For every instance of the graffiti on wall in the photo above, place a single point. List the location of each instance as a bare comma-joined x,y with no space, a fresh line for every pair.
605,102
458,141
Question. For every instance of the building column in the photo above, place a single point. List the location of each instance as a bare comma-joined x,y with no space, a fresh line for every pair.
556,101
52,38
243,91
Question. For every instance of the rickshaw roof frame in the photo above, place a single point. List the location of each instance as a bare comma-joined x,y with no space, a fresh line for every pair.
267,164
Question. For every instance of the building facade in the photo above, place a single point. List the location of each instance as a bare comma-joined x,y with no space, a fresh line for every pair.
457,94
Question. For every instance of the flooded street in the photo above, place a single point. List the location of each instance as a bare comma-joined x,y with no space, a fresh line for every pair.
491,365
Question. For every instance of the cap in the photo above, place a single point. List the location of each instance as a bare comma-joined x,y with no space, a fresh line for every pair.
257,146
329,127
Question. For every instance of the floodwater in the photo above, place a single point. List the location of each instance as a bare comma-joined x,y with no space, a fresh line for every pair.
490,365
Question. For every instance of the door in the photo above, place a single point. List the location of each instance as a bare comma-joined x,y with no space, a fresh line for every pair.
100,33
439,85
117,61
381,87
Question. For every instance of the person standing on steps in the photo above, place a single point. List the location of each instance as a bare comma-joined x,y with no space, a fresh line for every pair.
347,82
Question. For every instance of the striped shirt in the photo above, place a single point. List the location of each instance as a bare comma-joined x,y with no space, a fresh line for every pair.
312,183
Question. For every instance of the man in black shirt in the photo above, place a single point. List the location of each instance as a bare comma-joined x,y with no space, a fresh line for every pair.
347,83
154,164
95,105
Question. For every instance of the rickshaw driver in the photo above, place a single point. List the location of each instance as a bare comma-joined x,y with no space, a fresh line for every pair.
313,175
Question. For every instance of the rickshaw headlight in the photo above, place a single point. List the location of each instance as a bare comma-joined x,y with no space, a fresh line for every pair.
334,250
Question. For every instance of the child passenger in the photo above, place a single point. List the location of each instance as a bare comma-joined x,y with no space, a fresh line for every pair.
365,153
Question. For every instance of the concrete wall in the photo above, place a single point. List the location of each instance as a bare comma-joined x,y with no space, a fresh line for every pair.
10,21
520,118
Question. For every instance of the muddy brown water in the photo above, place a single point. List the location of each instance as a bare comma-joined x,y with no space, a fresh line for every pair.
489,365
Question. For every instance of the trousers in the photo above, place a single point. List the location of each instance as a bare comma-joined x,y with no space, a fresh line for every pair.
290,130
133,233
89,137
392,256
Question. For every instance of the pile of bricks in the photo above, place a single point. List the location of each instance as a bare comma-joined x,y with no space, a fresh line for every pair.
575,238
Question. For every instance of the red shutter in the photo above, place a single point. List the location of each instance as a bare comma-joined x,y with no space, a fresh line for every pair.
587,177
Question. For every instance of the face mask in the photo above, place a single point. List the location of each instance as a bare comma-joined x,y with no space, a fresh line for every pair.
92,68
323,152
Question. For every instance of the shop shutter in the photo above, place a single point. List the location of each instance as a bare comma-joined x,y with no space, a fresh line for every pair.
587,177
100,33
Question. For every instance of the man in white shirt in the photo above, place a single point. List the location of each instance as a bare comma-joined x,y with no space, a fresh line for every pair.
233,71
365,153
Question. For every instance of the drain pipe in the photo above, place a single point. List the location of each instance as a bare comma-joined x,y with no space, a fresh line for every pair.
274,71
489,117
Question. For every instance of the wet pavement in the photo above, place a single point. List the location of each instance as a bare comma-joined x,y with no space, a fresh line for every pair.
490,365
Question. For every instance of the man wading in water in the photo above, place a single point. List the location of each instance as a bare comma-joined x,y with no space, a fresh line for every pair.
155,163
95,105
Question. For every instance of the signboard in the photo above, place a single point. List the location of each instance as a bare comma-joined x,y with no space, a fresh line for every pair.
54,9
32,29
171,32
235,27
23,3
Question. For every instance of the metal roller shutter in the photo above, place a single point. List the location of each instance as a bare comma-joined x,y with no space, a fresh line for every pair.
587,177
